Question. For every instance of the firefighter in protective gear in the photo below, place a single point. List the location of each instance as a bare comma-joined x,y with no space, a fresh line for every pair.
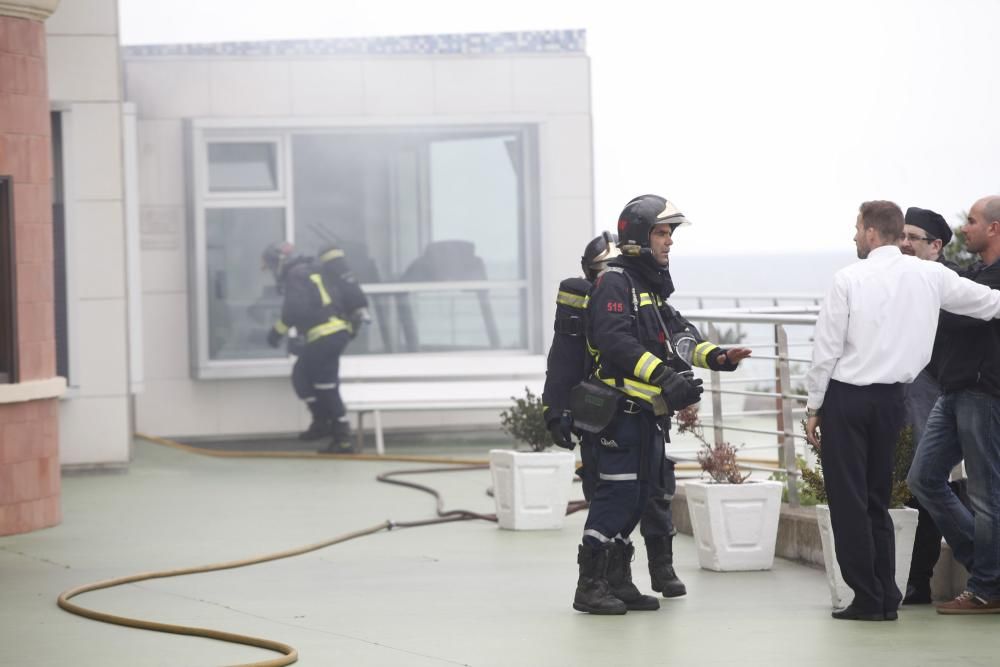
313,306
645,350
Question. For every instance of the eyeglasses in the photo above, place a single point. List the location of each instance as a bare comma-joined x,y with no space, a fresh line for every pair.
913,237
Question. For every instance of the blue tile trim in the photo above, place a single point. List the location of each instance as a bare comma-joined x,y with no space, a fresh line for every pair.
484,43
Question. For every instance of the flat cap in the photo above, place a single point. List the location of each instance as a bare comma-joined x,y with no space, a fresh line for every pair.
929,221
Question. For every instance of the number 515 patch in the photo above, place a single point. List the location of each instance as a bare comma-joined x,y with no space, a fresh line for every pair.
616,307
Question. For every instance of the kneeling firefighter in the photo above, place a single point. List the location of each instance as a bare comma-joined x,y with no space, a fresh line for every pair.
644,351
313,305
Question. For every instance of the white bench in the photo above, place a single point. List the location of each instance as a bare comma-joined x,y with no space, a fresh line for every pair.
378,397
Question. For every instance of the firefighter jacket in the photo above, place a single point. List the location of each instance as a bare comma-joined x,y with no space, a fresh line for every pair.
308,305
341,283
627,338
569,362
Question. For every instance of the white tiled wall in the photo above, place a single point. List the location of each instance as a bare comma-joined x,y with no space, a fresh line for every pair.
399,87
94,430
250,88
327,88
85,83
558,84
473,85
169,89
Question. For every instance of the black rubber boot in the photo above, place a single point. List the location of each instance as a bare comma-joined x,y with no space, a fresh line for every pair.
660,551
593,594
620,579
320,426
341,443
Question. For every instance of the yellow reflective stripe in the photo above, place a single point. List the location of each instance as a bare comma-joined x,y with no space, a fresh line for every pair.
645,366
331,254
323,294
647,299
281,327
572,300
332,326
640,390
701,352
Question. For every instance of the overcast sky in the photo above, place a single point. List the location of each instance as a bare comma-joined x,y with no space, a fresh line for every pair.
766,122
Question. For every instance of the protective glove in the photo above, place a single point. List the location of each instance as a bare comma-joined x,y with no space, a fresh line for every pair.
358,318
560,430
273,337
679,389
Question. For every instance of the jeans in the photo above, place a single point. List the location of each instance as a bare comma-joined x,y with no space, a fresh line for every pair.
964,424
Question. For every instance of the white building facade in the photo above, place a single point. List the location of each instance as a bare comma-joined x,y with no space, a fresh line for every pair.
455,171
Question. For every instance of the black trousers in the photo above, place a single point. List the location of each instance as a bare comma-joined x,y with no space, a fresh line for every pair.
860,427
657,518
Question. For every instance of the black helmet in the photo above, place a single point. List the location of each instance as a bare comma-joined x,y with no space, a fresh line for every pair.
275,256
639,217
597,253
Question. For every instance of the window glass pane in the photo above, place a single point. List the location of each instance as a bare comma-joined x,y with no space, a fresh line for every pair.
418,207
243,302
242,167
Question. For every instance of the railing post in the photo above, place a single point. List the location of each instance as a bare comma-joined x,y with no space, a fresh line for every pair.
716,386
785,422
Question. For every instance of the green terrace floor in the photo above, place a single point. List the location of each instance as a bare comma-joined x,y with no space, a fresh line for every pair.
464,593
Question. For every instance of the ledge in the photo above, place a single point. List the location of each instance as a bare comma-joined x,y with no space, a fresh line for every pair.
33,390
38,10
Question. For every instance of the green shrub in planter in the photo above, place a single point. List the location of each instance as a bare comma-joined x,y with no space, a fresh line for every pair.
525,421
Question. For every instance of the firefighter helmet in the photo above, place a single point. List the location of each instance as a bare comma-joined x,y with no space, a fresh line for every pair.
597,253
639,217
275,256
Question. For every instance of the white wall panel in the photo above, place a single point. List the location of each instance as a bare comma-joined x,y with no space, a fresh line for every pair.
99,239
399,87
164,318
83,17
96,170
83,68
250,88
552,84
474,85
169,89
327,88
98,343
94,430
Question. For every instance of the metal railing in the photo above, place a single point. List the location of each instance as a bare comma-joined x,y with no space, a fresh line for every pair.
778,318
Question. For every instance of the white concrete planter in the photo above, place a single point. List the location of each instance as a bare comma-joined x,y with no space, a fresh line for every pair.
531,489
904,520
735,526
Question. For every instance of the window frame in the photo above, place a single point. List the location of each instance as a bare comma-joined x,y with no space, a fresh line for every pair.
479,364
9,366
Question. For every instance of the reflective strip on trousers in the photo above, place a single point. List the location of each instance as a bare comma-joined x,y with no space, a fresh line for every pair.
622,477
325,385
590,532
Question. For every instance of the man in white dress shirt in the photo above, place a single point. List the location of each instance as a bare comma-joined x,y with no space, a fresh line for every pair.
874,333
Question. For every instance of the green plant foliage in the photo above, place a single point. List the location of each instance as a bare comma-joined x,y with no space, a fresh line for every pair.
717,460
525,421
957,251
900,494
807,493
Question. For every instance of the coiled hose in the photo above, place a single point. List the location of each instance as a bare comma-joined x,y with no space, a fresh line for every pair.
289,653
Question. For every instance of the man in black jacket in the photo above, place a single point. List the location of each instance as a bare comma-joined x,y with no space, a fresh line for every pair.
925,235
965,424
644,352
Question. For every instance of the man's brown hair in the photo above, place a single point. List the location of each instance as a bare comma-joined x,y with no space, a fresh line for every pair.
884,217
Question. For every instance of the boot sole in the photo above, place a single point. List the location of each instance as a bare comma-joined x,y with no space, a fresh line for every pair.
645,607
599,612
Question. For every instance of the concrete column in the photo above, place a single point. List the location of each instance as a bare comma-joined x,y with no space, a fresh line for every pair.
29,456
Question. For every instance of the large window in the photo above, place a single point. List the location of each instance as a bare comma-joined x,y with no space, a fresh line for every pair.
8,292
433,223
